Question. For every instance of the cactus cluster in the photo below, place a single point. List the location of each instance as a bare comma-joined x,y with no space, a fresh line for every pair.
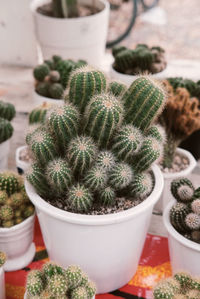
38,114
7,113
140,59
181,117
15,206
53,281
192,87
52,76
185,214
181,286
98,146
2,258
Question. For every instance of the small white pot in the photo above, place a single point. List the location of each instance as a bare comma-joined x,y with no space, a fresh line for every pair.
169,177
73,38
184,254
2,284
4,152
17,243
26,296
128,79
22,166
39,100
107,247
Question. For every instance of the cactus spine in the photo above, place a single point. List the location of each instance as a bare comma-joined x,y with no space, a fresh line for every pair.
41,71
57,286
121,175
74,276
117,88
182,189
79,198
35,175
96,178
142,185
105,160
34,283
107,196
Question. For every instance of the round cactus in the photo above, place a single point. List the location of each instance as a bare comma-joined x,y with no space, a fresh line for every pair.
90,289
35,175
117,88
121,175
29,211
8,223
107,196
34,283
16,199
41,71
59,175
142,185
62,121
182,189
79,198
42,89
54,76
38,114
49,269
163,291
105,160
3,197
103,116
2,258
6,213
73,276
81,153
127,141
96,178
149,153
9,181
7,110
65,67
79,293
6,129
85,83
192,221
183,278
31,131
157,132
56,91
177,216
57,286
143,101
195,206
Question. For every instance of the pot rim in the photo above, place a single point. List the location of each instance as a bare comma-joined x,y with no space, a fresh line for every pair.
36,3
171,230
16,227
186,171
98,219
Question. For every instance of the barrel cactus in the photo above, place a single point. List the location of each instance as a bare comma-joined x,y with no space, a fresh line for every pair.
7,110
6,129
38,114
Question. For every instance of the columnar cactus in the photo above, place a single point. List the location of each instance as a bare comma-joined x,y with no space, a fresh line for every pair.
105,160
143,101
79,198
34,283
103,116
7,110
117,88
157,132
6,130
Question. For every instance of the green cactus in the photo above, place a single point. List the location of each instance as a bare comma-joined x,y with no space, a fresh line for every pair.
16,199
50,63
197,193
90,289
56,91
143,101
6,213
195,206
59,175
117,49
43,147
73,276
124,59
49,269
41,71
2,258
120,176
9,181
3,197
105,160
163,291
149,153
7,110
29,211
65,67
157,132
81,154
38,114
62,121
34,283
117,88
54,76
127,142
192,221
79,198
142,185
96,178
79,293
182,189
103,117
6,130
31,131
57,286
107,196
177,216
42,89
85,83
36,176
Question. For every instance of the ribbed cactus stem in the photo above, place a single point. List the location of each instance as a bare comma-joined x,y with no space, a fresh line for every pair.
157,132
73,276
182,189
117,88
96,178
105,160
38,114
107,196
142,185
121,175
7,110
9,181
57,286
79,198
177,216
36,176
34,283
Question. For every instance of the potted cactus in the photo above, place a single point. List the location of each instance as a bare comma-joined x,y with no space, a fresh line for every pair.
2,280
72,29
129,63
181,117
53,281
181,286
92,174
182,221
7,113
16,222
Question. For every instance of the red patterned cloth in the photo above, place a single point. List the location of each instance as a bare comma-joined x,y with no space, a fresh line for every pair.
154,265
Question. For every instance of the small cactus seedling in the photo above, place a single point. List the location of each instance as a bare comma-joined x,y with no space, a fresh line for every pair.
57,286
182,190
73,276
121,175
2,258
192,221
107,196
105,160
157,132
34,283
96,178
9,181
79,198
142,185
177,216
117,88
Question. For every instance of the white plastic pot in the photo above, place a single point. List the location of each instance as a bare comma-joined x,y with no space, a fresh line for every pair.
39,100
73,38
184,254
107,247
4,152
17,243
169,177
2,284
128,79
22,166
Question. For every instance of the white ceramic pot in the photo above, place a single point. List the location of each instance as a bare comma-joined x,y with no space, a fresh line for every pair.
2,284
39,100
107,247
25,296
169,177
184,254
17,243
22,166
4,152
73,38
128,79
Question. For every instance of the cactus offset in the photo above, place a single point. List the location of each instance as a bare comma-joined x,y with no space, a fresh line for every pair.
107,196
182,189
41,71
120,176
35,175
96,178
117,88
57,286
38,114
9,181
56,91
105,160
79,198
34,283
142,185
177,216
157,132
